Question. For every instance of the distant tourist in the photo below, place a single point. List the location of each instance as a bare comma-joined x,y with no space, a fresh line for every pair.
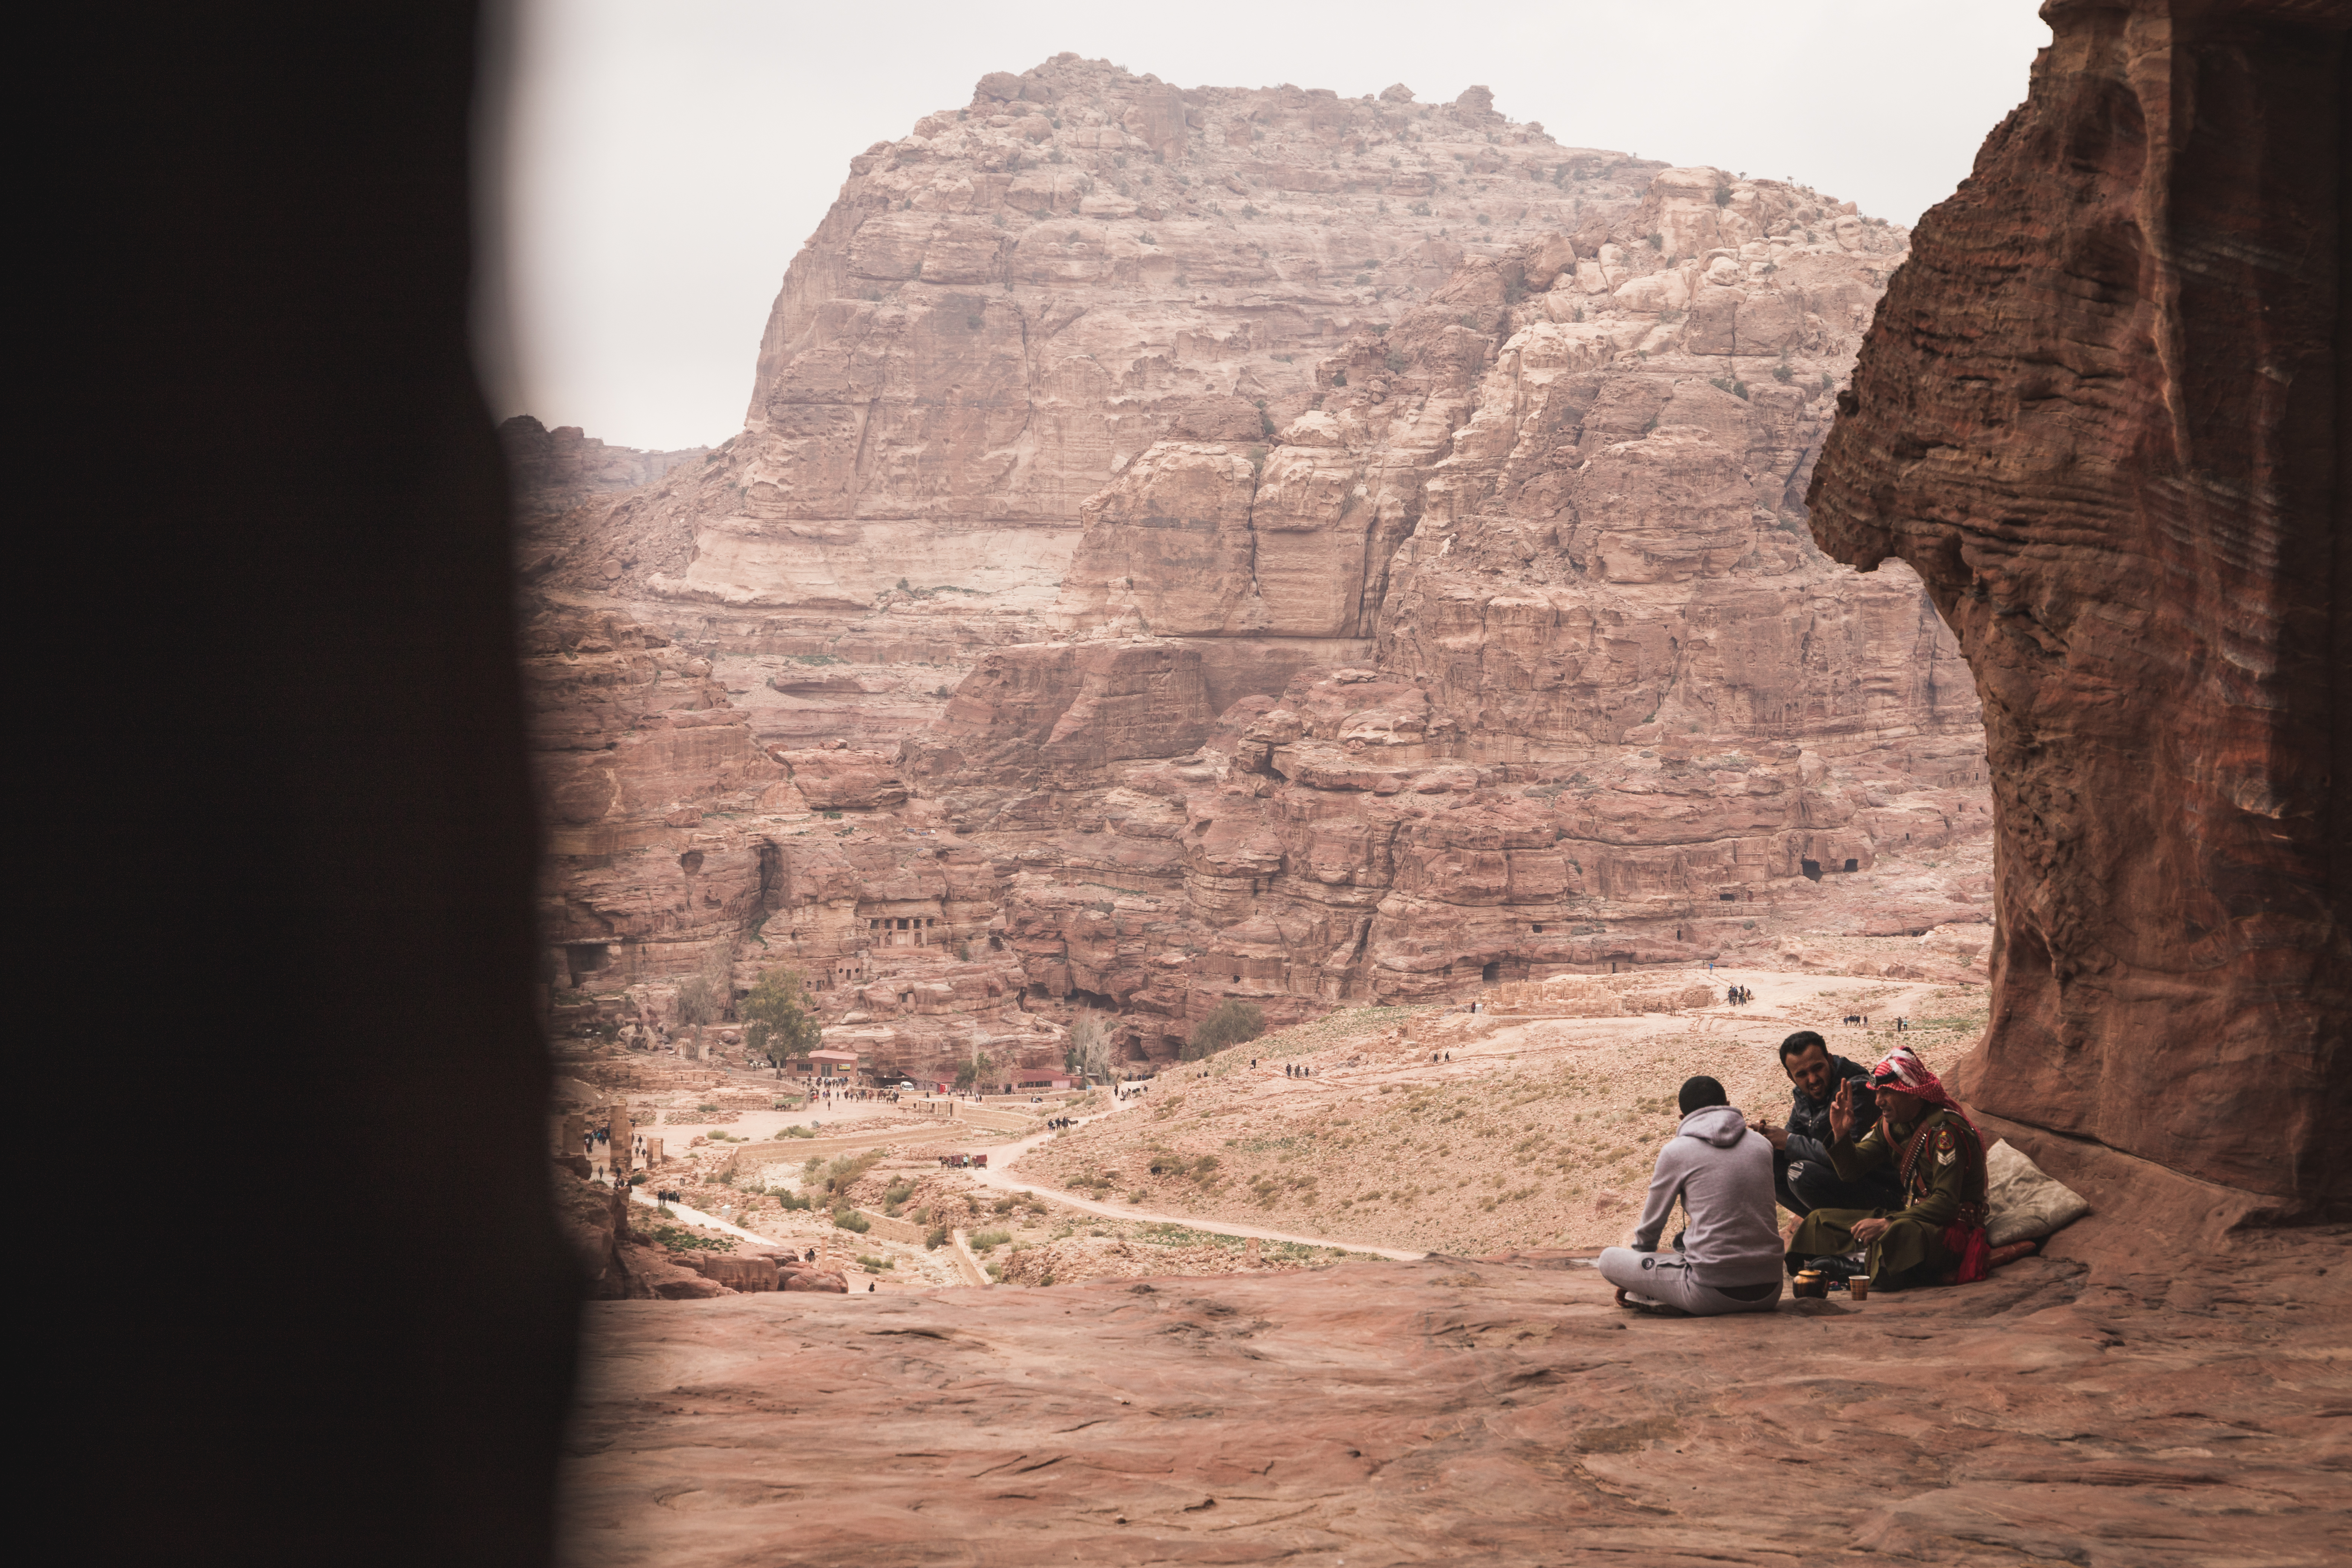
1730,1256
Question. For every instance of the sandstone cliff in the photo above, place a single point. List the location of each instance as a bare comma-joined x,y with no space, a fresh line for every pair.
2101,414
1192,543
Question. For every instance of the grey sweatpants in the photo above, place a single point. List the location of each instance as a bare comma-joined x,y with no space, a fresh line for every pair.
1664,1278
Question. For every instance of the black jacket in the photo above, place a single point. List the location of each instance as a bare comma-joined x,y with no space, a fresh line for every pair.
1809,1119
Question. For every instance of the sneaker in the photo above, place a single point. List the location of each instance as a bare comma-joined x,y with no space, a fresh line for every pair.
1633,1303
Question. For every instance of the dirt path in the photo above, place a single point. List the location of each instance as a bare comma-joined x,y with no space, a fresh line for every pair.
695,1216
999,1175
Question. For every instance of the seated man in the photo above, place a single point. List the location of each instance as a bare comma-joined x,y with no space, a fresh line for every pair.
1937,1235
1731,1260
1802,1176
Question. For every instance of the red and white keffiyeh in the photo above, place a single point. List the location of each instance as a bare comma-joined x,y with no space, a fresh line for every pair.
1965,1237
1899,1070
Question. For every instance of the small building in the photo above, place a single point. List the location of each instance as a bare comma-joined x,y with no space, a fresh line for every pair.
833,1064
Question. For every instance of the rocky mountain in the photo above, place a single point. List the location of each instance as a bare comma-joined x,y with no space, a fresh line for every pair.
1191,543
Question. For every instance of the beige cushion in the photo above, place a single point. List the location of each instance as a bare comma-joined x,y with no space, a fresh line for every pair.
2022,1202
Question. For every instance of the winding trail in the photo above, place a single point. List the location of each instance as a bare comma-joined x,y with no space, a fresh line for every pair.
1000,1177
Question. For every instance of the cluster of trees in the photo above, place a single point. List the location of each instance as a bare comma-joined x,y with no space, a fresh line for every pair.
780,1022
1231,1023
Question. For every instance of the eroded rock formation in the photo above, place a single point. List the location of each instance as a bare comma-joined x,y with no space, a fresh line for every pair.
2101,414
1193,543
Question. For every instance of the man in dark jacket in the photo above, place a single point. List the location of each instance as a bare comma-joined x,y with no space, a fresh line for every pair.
1802,1176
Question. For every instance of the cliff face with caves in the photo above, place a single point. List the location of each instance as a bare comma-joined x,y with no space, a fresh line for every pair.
1202,543
2102,415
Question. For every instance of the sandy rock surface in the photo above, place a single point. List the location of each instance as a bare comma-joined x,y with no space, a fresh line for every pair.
1460,1409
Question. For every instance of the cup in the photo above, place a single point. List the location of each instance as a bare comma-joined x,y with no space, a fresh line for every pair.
1858,1288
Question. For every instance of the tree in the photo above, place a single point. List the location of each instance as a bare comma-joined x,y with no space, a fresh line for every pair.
970,1072
1231,1022
1093,1043
777,1022
706,998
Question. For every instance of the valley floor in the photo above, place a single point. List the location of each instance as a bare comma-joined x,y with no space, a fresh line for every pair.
1183,1394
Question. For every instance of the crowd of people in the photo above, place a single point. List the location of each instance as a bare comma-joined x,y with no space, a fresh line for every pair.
1882,1166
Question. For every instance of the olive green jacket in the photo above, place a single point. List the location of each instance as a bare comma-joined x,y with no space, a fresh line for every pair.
1938,1184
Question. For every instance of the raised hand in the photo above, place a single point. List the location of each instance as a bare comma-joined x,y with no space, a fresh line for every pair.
1841,1112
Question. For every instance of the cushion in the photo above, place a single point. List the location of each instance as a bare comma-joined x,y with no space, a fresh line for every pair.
2022,1201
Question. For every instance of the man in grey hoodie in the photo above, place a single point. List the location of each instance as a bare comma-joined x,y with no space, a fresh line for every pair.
1731,1257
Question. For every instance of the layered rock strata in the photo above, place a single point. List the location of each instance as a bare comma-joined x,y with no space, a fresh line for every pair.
1218,542
2101,415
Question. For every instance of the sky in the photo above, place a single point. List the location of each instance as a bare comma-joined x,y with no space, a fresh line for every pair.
651,165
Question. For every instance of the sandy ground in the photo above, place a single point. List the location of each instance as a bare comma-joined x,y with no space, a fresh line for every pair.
1409,1130
1522,1132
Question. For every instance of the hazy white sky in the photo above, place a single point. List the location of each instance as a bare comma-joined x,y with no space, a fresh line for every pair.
664,159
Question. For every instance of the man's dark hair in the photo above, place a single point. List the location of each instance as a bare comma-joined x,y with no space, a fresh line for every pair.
1798,1044
1698,1093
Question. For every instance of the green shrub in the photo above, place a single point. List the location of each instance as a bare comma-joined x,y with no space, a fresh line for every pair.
841,1174
1232,1022
846,1218
935,1237
796,1132
679,1240
989,1240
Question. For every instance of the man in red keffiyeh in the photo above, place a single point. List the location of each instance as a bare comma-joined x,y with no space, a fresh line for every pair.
1939,1237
